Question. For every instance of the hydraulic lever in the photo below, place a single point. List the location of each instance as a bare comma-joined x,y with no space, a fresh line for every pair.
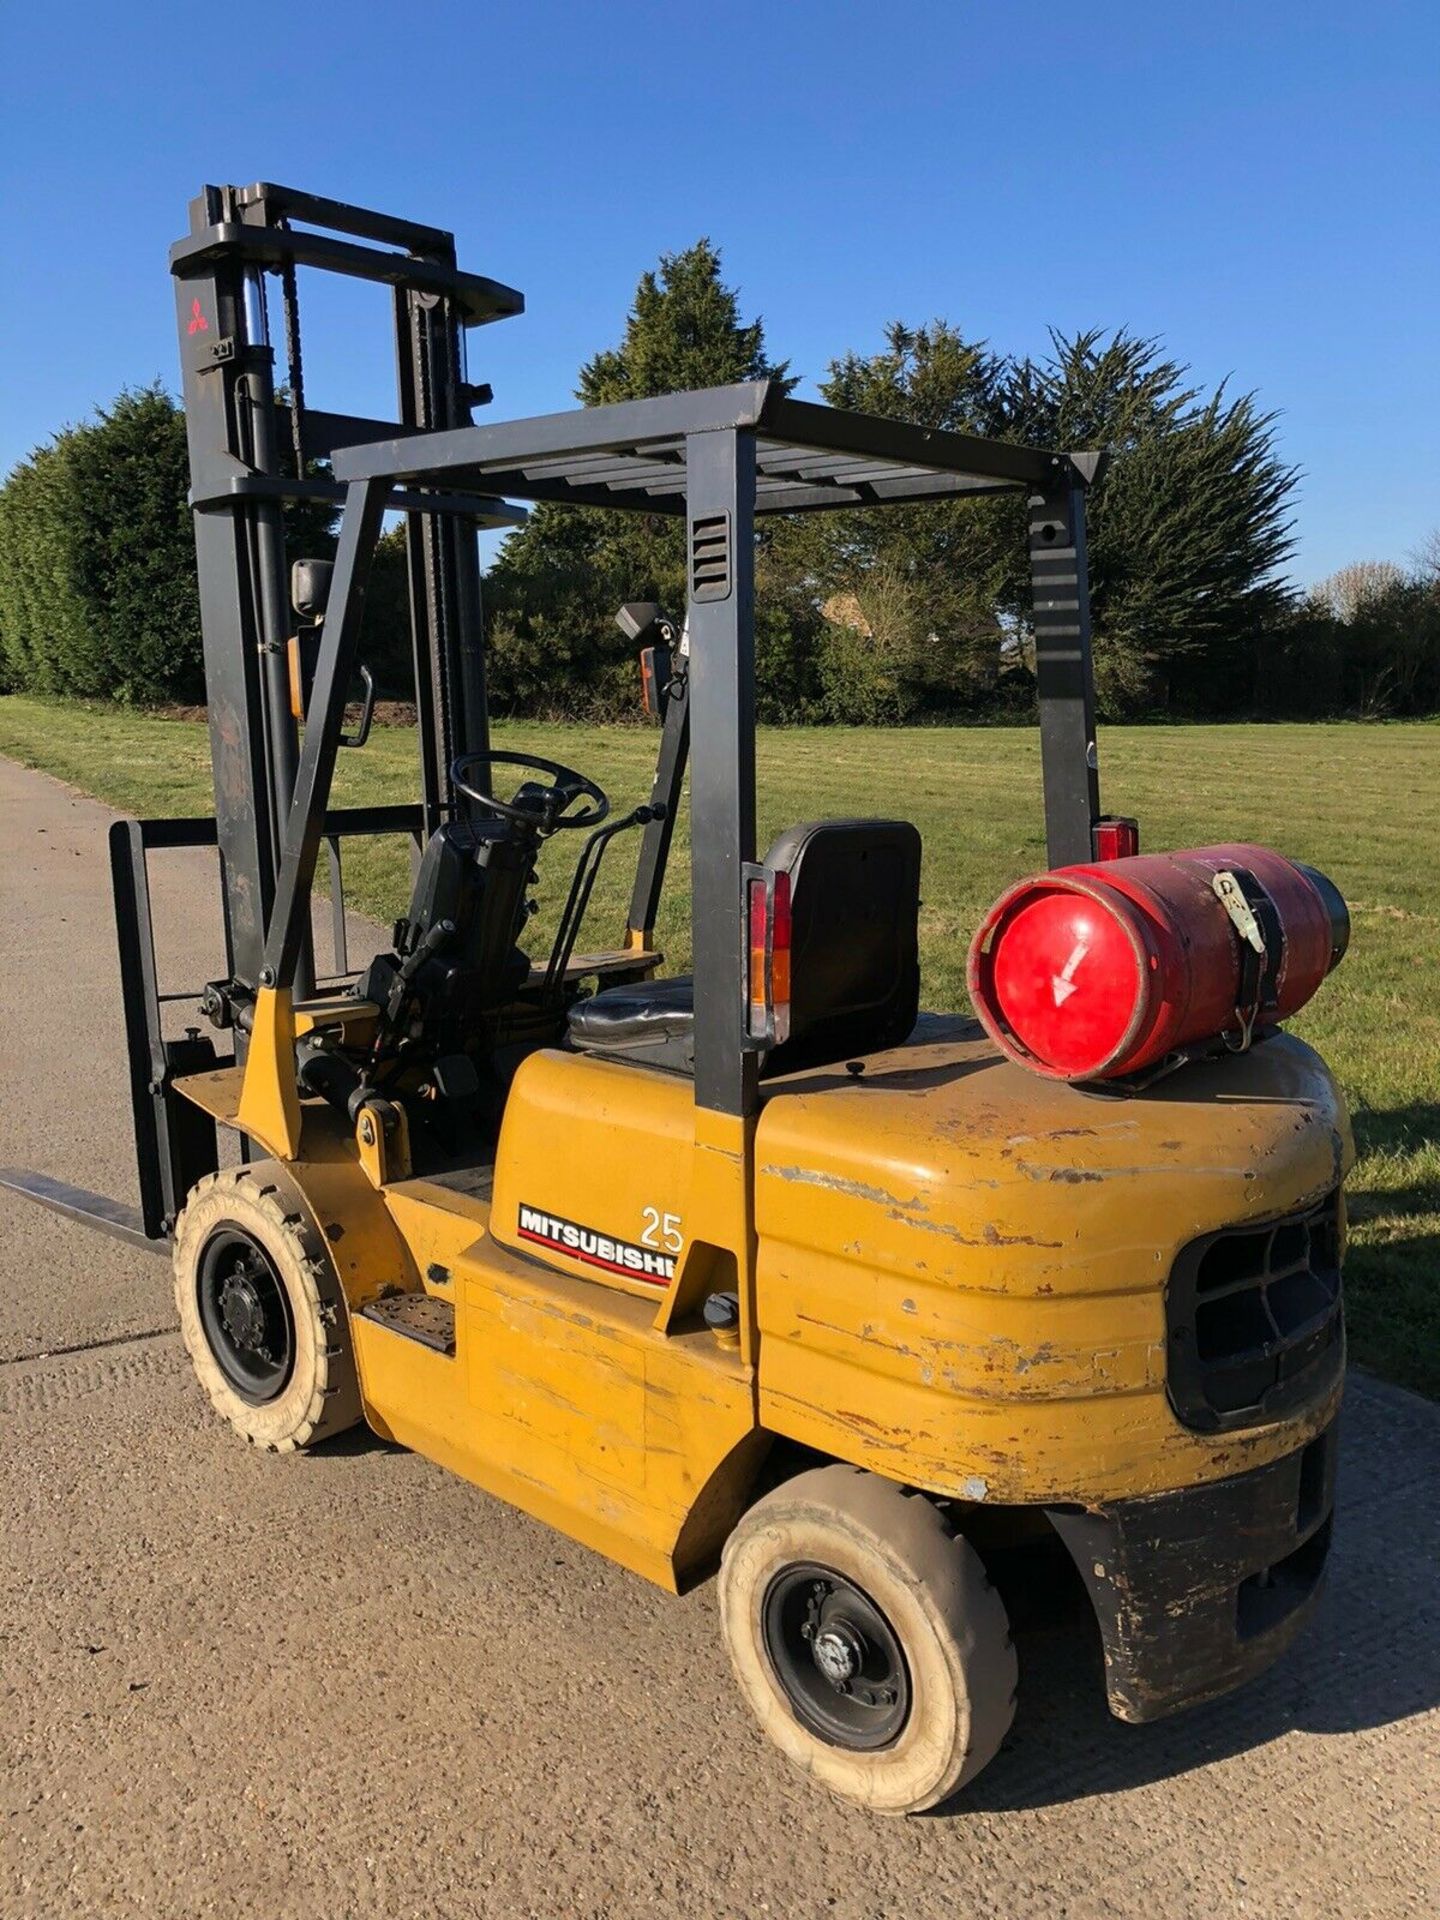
587,868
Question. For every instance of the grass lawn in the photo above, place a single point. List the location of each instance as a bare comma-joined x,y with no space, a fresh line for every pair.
1360,802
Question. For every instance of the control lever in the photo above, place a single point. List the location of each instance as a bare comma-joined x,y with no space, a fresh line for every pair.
367,712
411,965
587,867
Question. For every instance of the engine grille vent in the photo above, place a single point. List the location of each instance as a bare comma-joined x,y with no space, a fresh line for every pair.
710,557
1255,1319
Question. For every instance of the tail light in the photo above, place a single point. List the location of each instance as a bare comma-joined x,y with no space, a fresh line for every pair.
654,680
767,919
1114,837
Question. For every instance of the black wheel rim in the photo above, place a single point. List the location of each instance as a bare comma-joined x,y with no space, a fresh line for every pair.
837,1658
246,1315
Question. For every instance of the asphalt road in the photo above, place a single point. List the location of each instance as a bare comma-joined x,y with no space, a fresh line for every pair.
348,1684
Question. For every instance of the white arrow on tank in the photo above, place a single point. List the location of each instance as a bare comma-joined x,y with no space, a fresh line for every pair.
1062,984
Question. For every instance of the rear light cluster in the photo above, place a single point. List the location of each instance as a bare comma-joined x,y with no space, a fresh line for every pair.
767,917
1114,837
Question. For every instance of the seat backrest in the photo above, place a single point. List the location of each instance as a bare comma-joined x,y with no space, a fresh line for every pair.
476,878
854,956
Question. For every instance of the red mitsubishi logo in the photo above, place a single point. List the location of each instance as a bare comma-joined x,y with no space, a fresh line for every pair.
198,322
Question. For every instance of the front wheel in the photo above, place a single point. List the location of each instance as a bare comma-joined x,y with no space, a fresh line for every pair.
867,1638
261,1312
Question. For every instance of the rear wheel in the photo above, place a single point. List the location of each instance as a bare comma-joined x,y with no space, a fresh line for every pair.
261,1312
867,1638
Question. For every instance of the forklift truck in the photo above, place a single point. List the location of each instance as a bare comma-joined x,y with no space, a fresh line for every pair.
760,1267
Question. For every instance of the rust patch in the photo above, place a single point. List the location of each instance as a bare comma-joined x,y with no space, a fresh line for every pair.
1072,1176
990,1236
893,1437
1042,1357
867,1333
856,1189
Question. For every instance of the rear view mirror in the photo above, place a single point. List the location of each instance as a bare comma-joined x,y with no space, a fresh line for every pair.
310,587
637,618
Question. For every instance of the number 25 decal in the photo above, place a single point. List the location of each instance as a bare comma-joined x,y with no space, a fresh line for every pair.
661,1230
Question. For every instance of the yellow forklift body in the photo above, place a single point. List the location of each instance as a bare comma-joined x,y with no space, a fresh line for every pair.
956,1278
561,1397
962,1267
567,1393
627,1169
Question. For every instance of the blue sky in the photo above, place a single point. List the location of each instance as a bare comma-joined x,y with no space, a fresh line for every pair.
1256,183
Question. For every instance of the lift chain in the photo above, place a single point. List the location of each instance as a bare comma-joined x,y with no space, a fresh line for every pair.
428,410
295,367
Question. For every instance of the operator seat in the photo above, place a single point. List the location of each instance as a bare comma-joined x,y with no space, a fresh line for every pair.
854,958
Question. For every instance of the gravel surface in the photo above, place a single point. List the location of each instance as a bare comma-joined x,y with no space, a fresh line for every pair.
348,1684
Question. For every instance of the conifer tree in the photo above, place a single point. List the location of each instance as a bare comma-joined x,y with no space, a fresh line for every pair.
553,591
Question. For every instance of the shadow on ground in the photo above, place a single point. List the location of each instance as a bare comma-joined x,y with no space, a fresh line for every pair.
1370,1657
1397,1129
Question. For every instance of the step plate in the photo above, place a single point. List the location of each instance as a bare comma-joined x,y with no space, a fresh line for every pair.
419,1316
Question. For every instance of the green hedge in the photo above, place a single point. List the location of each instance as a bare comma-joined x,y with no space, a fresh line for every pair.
97,560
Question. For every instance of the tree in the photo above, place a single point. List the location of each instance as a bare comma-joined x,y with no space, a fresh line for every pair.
385,642
1382,627
911,596
557,581
1186,530
98,594
1355,590
42,612
683,331
135,548
97,559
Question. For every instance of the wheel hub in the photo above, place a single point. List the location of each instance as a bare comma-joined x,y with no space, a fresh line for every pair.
836,1657
242,1313
839,1653
245,1315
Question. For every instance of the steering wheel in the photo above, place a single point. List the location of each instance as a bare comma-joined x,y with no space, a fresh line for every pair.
553,809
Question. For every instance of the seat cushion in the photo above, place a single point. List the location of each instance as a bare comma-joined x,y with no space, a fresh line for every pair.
652,1021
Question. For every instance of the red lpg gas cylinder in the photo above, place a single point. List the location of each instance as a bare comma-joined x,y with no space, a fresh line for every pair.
1088,973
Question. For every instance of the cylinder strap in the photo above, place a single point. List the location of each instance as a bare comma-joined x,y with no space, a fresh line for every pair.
1256,919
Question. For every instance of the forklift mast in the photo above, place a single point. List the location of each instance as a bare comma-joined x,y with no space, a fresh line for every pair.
254,448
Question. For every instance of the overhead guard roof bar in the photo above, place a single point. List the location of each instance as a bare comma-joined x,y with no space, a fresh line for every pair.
631,455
